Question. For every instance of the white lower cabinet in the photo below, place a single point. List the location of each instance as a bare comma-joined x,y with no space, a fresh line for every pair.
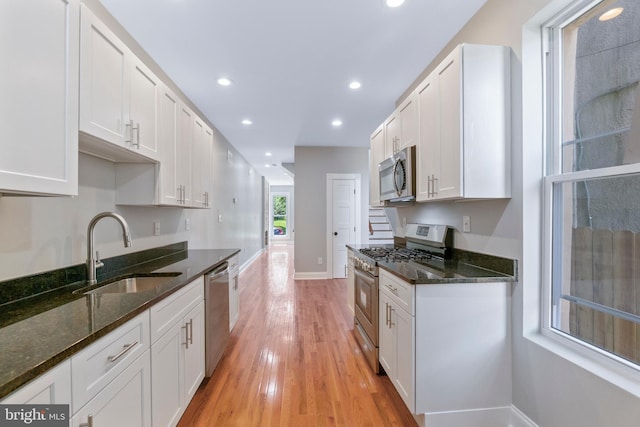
397,339
452,337
234,292
111,378
126,401
52,387
177,355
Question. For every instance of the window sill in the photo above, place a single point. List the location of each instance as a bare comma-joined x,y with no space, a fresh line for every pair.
620,373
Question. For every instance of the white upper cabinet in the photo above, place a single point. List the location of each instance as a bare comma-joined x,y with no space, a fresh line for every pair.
39,103
119,97
464,123
401,128
169,167
201,163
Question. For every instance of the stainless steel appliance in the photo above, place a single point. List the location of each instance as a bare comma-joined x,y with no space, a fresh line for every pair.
424,242
216,301
397,177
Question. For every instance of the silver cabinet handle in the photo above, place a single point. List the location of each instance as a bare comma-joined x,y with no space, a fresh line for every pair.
137,130
188,332
124,351
390,317
89,422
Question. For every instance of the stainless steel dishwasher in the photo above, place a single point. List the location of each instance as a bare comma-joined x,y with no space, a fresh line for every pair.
216,301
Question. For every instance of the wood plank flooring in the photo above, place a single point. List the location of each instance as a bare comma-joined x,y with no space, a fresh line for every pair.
292,359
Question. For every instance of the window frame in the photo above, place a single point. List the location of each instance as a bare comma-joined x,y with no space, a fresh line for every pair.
552,175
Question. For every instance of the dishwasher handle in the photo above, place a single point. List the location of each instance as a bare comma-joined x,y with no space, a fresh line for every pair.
218,272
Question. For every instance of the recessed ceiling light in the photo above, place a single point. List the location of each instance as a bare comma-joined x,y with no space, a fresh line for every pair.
267,165
247,122
611,13
223,81
394,3
336,123
267,154
354,85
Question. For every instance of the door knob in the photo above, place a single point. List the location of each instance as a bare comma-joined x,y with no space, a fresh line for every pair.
335,233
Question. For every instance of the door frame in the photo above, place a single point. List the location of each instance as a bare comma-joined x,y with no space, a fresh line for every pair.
329,226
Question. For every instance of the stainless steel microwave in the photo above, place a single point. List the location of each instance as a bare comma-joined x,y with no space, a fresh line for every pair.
397,177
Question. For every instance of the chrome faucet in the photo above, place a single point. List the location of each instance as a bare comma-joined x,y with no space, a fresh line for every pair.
93,262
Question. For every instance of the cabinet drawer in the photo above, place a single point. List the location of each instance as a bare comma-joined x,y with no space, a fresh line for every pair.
97,365
401,292
171,310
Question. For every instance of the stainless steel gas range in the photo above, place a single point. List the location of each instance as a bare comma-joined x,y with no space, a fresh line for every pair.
424,242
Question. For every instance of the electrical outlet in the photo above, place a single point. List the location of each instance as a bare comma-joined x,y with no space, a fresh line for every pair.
156,228
187,224
466,224
219,217
319,260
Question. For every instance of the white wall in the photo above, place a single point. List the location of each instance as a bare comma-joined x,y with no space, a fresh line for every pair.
312,166
551,385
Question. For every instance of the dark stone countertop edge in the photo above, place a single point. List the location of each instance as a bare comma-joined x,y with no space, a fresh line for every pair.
494,268
22,378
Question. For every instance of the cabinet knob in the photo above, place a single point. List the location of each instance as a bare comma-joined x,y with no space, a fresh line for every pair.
335,233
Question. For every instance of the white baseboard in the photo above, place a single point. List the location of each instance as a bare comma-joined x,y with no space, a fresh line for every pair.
519,419
507,416
318,275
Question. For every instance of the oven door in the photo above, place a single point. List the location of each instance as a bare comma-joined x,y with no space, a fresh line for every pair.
366,304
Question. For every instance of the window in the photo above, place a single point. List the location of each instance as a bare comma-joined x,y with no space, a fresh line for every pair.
592,179
279,215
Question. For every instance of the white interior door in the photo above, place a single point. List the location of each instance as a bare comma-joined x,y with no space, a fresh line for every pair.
344,223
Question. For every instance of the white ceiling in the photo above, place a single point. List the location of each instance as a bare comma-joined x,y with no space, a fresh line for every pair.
291,62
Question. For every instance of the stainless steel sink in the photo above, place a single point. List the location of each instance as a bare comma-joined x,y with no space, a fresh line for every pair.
134,284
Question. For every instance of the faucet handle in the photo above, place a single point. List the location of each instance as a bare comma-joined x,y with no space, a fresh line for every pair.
99,262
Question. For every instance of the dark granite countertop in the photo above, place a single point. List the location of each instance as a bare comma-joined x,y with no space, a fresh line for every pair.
38,333
463,267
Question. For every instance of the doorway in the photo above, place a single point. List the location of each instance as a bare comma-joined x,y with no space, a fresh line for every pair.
343,220
280,222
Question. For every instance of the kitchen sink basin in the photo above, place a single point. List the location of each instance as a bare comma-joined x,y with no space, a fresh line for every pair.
134,283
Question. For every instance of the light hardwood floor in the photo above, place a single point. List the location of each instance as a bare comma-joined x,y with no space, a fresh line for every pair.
292,359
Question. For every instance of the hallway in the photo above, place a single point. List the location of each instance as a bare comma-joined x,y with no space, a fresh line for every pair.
292,359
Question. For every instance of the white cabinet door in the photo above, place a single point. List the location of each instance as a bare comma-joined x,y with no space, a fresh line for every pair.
186,119
201,163
177,353
386,337
428,147
408,114
167,379
39,103
391,135
104,86
169,184
449,181
52,387
193,351
403,326
124,402
144,105
376,155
